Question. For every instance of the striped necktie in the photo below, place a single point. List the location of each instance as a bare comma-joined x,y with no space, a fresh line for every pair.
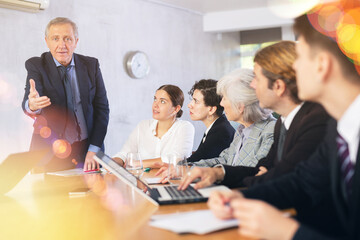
281,142
347,167
203,138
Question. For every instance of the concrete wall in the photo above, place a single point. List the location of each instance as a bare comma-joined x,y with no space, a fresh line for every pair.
179,52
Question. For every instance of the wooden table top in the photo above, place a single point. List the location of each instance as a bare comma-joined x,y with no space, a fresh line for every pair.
40,207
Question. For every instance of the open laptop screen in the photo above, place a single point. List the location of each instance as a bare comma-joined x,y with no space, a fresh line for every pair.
119,170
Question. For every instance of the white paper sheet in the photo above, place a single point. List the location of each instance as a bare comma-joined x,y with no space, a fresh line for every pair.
198,222
155,180
70,172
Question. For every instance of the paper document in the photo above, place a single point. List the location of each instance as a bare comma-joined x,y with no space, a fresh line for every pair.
155,180
70,172
198,222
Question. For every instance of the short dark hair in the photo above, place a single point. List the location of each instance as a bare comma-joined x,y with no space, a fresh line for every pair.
207,87
276,62
176,96
316,40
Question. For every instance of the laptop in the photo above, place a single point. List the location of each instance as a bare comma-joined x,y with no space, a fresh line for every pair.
16,166
157,194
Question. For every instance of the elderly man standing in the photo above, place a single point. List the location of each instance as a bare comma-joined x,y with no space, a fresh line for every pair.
66,96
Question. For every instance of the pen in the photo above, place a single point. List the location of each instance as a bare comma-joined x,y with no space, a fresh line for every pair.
147,169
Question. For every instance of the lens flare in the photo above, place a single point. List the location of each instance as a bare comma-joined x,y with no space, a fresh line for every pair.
39,123
340,21
74,161
348,35
4,88
8,92
61,148
325,18
45,132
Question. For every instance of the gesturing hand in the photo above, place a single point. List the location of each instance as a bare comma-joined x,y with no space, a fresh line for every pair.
35,101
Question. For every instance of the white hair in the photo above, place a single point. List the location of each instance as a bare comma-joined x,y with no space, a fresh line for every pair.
236,87
59,21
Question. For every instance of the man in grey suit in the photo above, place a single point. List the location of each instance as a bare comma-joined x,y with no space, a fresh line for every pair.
66,96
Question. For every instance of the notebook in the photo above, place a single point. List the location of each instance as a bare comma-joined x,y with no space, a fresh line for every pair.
156,194
16,166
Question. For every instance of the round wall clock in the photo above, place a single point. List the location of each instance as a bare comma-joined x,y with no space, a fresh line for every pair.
137,65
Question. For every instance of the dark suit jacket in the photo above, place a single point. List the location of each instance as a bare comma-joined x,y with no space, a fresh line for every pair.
218,138
306,132
317,182
92,94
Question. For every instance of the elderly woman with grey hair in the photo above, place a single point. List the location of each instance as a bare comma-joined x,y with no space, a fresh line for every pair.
254,136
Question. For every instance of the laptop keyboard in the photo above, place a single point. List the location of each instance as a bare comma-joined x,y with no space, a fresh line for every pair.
189,192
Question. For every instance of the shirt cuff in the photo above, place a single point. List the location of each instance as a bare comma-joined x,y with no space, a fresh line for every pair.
28,110
93,148
223,169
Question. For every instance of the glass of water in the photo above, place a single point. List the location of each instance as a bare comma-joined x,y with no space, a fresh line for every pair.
177,168
134,164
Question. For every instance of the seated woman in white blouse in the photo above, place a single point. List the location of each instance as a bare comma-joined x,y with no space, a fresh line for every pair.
163,134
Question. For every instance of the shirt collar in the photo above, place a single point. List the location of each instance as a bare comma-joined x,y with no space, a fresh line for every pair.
349,124
290,117
208,129
72,63
153,127
247,130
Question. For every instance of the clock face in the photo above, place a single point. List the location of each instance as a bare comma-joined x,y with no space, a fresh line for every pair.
138,65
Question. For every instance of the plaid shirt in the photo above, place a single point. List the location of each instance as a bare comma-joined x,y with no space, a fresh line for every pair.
255,147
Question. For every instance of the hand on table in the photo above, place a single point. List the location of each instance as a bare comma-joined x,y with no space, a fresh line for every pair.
219,203
90,163
119,161
260,220
207,177
163,171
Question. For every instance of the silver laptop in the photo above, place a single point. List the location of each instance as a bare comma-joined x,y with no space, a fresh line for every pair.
158,194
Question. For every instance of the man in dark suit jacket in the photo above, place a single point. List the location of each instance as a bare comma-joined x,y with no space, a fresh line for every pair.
70,108
331,176
217,139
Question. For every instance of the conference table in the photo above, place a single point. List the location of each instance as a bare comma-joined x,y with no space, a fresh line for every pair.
41,206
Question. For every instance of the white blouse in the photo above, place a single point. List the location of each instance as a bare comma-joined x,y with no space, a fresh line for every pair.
178,139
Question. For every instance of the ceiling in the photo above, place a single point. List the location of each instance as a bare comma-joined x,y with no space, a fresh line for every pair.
207,6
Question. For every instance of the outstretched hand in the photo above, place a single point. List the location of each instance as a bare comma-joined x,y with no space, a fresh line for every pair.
35,101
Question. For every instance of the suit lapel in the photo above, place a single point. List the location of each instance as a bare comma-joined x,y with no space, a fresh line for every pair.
54,77
217,122
255,132
83,82
294,126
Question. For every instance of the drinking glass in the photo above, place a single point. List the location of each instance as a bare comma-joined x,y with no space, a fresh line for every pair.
134,164
177,168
